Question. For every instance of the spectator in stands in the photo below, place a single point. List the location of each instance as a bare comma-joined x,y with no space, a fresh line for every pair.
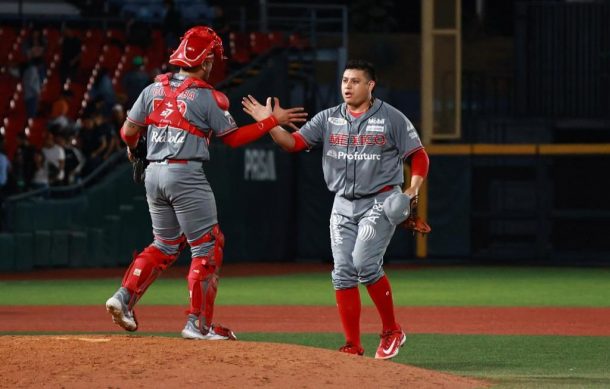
60,109
135,80
102,92
23,163
102,126
70,54
172,25
55,156
40,178
75,160
32,86
116,121
93,142
34,47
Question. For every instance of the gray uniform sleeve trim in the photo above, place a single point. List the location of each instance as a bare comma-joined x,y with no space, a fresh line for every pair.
408,153
137,123
227,132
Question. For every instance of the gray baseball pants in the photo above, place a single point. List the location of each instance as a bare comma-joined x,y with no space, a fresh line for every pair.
180,200
360,233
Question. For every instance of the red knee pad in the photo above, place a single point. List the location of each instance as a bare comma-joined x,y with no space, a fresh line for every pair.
145,268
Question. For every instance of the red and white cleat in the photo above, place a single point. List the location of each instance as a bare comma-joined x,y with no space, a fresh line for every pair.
351,349
390,344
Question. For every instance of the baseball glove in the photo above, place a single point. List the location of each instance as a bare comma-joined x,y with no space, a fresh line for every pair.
139,161
415,223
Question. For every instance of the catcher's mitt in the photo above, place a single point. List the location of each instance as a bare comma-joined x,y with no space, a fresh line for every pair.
415,223
139,161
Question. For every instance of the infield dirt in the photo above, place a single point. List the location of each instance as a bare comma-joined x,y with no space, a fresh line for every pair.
121,361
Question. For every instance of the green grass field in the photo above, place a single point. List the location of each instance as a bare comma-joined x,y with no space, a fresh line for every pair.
512,361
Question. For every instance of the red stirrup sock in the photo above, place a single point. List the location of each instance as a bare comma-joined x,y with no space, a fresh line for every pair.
348,303
381,294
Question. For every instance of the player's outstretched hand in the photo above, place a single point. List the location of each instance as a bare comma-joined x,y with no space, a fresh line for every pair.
255,109
288,115
284,116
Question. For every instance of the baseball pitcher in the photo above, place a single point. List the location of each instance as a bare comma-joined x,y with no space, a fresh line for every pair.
365,142
179,114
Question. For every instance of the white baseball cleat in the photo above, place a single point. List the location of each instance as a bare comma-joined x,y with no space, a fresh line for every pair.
117,306
216,332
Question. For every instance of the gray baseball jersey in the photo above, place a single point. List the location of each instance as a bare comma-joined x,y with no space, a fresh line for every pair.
362,155
198,106
363,165
180,199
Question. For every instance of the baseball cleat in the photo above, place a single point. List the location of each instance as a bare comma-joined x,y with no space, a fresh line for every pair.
216,332
390,344
117,306
351,349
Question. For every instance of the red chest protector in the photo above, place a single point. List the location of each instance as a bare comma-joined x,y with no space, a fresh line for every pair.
169,112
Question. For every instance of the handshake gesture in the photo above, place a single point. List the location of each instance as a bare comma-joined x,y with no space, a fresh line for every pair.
284,116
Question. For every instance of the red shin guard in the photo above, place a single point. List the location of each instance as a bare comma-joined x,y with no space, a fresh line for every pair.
348,303
203,279
144,270
381,294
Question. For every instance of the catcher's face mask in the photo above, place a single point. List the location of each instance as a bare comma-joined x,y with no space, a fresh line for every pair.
198,44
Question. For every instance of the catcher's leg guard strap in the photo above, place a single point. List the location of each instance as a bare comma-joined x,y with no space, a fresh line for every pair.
203,277
145,268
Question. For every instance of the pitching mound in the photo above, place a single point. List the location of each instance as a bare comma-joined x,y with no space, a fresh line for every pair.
145,362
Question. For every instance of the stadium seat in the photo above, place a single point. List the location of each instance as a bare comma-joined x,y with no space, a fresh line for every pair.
239,47
115,35
7,39
259,42
276,39
90,56
94,36
8,85
38,131
296,41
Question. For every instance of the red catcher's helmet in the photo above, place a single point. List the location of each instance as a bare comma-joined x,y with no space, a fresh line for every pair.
198,44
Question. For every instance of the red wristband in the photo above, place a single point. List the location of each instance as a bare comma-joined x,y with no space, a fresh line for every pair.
268,123
130,140
250,133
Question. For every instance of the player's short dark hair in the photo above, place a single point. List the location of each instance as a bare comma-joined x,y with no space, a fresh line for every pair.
363,65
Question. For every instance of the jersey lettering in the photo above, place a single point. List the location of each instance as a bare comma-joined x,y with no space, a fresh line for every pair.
353,156
162,137
357,140
337,121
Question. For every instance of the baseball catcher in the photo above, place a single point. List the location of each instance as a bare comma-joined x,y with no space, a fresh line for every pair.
178,115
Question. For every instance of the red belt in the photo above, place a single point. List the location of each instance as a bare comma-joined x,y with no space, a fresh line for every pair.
386,188
183,161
